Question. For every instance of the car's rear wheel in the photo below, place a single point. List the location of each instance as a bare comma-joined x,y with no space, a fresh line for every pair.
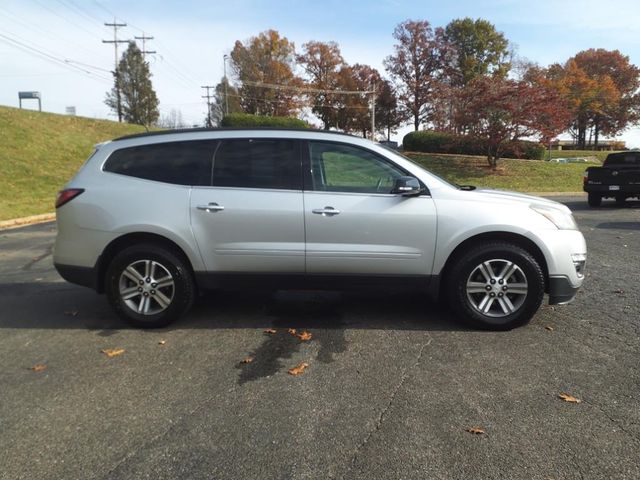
149,286
594,200
498,286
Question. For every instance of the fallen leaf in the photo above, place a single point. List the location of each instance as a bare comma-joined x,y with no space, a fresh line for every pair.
38,367
270,331
475,430
246,360
304,336
113,352
569,398
549,327
292,331
73,313
162,342
299,369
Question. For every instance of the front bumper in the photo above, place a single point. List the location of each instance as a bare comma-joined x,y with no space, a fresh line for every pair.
561,290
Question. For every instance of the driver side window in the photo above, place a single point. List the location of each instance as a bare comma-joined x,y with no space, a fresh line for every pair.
343,168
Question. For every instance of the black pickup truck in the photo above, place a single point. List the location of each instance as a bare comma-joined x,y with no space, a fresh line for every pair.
618,178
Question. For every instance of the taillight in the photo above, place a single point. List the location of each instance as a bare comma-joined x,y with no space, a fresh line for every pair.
585,177
65,196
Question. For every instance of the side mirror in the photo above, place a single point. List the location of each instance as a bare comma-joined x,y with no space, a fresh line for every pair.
407,186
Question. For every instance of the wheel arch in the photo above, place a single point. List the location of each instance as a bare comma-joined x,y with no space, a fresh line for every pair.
130,239
514,238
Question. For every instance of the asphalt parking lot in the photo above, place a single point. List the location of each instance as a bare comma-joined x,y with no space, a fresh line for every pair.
392,384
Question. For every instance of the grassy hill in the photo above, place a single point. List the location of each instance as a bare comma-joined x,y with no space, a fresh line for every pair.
519,175
40,152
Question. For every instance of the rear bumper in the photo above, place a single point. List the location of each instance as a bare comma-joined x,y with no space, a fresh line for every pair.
561,290
85,276
631,190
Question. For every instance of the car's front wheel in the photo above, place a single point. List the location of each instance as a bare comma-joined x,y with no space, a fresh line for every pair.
149,286
498,286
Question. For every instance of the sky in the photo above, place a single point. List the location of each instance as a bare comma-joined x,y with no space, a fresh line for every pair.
55,46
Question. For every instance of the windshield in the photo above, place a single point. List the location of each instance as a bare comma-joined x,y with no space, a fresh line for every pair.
398,154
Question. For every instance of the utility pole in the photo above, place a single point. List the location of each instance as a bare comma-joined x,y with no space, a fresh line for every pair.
226,82
144,44
373,113
115,42
208,96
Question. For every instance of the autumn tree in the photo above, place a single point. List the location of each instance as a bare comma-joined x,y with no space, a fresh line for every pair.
132,95
501,111
365,79
618,101
476,49
601,87
389,116
416,66
260,63
322,63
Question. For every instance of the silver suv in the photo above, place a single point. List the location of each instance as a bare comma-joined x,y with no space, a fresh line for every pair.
154,219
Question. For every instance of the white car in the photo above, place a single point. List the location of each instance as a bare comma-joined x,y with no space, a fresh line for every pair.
154,219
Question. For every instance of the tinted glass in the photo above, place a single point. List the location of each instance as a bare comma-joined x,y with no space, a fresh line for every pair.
342,168
626,158
258,163
181,163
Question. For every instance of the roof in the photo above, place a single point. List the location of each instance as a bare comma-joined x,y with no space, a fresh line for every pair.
230,129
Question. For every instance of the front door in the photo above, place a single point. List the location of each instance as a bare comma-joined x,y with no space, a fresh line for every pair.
355,225
250,220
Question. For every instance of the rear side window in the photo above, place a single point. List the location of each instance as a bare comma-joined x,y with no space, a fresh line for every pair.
258,163
180,163
625,158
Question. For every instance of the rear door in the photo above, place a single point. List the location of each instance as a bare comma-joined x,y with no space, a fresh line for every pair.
250,220
355,225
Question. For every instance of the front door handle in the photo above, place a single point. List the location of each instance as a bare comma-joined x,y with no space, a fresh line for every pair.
326,211
211,207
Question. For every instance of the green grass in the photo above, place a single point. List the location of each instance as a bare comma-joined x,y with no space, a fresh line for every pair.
40,152
518,175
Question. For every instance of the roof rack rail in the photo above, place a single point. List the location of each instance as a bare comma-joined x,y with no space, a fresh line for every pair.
225,129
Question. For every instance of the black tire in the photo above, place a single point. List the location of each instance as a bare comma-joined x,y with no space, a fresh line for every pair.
469,266
167,267
621,200
594,200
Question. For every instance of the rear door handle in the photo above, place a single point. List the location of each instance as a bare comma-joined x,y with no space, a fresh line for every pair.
211,207
326,211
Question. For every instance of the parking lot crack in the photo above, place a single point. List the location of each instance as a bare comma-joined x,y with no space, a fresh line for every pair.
621,427
383,413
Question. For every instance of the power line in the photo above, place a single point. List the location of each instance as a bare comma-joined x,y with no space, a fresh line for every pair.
306,89
93,34
48,57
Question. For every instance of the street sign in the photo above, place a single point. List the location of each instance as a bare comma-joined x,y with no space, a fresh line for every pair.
30,96
24,95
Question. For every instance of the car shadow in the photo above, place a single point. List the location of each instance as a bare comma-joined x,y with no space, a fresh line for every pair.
58,305
582,205
619,225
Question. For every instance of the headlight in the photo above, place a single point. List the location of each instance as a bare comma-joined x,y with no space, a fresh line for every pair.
561,219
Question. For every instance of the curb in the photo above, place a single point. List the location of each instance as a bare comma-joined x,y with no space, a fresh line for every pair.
21,222
557,194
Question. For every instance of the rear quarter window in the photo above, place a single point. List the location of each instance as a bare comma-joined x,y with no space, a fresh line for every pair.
179,163
623,158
